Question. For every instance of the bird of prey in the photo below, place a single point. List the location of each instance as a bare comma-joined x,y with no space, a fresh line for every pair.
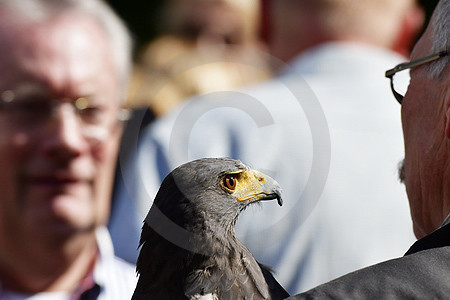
188,245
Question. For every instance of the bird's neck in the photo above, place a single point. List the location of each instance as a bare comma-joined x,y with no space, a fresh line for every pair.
220,237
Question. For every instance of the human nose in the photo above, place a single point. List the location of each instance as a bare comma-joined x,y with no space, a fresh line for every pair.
64,139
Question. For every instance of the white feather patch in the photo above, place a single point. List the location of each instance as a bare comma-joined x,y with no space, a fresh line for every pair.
209,296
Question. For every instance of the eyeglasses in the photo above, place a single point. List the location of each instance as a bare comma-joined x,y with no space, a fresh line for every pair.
32,111
400,77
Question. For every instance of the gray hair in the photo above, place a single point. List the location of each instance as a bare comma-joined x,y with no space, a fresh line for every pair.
440,23
115,29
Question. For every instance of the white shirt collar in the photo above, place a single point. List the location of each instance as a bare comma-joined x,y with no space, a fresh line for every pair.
106,252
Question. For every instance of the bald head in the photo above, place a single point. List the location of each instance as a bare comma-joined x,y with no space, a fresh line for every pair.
298,25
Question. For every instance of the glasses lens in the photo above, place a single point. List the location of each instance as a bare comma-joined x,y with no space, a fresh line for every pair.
401,82
32,111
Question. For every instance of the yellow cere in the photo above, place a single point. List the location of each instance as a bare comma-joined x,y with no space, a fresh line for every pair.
249,185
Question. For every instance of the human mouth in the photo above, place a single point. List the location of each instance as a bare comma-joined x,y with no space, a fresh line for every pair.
56,181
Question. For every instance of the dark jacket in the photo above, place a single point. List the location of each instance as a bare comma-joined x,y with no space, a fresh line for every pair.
423,273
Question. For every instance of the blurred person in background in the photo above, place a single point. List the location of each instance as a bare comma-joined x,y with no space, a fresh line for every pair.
325,128
424,271
203,47
64,72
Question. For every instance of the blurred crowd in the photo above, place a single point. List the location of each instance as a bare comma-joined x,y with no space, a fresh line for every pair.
202,48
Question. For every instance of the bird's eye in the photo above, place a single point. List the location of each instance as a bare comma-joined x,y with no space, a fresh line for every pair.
230,182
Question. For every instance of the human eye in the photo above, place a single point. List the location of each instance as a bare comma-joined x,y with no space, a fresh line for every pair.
90,110
30,109
93,114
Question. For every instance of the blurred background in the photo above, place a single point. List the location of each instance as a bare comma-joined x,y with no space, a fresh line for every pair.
145,18
184,48
188,47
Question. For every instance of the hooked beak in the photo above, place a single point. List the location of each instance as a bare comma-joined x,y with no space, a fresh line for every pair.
259,187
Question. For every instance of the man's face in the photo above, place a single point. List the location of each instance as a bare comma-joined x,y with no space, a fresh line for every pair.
427,165
56,173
